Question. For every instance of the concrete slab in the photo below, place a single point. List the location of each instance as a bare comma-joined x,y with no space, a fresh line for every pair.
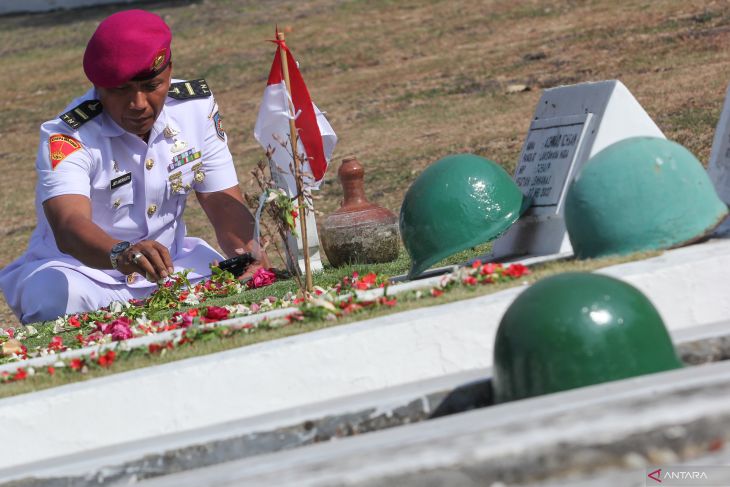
363,357
314,423
322,421
627,425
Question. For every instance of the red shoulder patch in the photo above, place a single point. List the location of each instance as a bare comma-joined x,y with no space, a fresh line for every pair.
61,146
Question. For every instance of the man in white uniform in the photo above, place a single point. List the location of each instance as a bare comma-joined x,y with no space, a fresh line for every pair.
114,171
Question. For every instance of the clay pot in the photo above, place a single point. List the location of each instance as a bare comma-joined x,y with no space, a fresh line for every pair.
359,232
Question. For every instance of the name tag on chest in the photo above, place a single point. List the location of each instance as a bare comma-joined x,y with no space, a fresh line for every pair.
121,180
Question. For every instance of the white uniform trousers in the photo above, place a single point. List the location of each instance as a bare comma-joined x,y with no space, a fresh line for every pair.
55,291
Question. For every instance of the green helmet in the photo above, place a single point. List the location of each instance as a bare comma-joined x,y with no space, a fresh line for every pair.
460,201
642,193
577,329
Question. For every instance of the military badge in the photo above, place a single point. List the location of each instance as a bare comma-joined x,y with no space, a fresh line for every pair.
184,90
218,122
176,184
159,59
179,145
82,113
60,147
170,132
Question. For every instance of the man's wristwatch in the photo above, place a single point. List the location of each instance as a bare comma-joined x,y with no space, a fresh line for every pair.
117,252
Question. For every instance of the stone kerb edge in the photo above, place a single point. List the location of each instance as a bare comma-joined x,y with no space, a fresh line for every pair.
505,439
143,341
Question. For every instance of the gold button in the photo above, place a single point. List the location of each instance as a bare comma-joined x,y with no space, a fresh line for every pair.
149,164
151,210
131,277
117,202
199,177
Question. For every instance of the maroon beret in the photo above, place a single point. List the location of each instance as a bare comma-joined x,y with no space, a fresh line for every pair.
133,44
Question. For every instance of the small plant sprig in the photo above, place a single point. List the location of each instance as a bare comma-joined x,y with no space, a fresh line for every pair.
280,210
166,295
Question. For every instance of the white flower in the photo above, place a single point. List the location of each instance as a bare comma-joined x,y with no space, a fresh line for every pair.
192,299
116,307
277,322
60,324
143,320
60,363
30,330
241,309
31,371
323,303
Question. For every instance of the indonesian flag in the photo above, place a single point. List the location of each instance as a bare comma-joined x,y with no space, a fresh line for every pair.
316,138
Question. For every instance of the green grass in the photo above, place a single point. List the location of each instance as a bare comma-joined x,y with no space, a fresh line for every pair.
404,83
132,360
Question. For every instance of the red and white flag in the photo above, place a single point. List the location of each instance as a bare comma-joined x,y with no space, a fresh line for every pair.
316,138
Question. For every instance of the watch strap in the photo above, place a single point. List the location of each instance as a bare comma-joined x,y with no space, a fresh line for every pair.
117,250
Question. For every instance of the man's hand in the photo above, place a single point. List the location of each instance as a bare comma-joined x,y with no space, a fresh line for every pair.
234,225
149,258
262,261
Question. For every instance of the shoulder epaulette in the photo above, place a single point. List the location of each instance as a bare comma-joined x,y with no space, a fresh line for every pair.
81,114
196,88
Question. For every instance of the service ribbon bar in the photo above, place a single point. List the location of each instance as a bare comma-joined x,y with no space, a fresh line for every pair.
184,158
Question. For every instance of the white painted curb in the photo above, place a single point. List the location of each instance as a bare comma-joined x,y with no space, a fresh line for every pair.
689,286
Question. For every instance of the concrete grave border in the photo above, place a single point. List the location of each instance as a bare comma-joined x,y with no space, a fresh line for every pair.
315,423
327,364
630,424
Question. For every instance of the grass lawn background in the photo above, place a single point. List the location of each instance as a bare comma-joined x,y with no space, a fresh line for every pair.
403,82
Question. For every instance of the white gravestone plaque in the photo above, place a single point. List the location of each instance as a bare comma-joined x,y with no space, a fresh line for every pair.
571,124
547,157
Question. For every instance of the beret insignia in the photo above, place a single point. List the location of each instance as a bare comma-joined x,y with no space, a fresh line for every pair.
81,114
184,90
60,147
159,59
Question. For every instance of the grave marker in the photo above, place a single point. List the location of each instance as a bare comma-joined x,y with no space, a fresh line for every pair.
719,167
571,124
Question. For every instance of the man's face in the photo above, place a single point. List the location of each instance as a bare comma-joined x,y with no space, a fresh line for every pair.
135,105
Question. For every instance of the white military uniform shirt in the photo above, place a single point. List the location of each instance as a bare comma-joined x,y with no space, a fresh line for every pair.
137,189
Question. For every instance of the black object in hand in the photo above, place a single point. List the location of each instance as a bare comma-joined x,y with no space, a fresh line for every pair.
237,265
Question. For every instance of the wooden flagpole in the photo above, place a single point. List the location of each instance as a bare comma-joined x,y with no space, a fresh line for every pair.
297,168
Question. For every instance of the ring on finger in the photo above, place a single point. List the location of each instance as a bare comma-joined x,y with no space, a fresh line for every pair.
136,257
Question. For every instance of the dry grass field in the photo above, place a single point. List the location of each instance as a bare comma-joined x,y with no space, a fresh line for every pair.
403,82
